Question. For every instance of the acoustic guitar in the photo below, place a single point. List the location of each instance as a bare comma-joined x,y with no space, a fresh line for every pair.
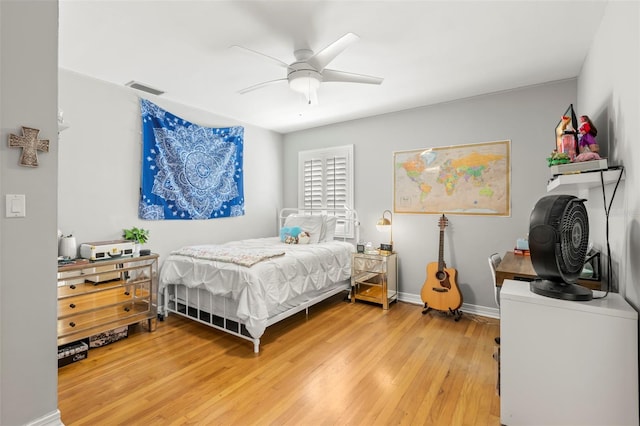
440,290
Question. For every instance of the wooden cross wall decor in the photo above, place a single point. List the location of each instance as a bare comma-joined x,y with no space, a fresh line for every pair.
30,145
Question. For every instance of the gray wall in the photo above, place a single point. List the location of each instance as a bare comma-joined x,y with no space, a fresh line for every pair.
609,92
28,246
100,162
527,117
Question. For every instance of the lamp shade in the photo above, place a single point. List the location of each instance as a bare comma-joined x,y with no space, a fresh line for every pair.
385,224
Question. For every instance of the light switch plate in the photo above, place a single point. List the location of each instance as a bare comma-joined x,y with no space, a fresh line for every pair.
16,205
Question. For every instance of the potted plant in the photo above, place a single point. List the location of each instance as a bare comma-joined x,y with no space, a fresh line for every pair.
138,235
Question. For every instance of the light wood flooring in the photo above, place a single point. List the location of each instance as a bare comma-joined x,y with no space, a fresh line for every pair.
344,364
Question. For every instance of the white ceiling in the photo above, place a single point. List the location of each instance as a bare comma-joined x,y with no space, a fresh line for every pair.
427,51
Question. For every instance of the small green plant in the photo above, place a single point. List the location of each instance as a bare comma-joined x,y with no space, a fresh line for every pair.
138,235
558,158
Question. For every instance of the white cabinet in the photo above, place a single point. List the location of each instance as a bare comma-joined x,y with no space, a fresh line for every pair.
565,362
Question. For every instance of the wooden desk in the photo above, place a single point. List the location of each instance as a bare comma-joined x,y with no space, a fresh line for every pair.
519,268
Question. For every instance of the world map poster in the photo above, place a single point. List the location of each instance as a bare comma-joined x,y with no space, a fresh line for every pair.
469,179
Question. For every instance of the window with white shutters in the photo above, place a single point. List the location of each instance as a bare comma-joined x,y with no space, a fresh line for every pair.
326,181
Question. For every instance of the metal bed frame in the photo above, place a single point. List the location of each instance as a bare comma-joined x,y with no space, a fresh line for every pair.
172,303
230,326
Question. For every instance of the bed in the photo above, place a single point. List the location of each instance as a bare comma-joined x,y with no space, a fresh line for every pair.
242,287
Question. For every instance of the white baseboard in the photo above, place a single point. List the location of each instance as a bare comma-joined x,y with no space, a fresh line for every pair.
51,419
471,309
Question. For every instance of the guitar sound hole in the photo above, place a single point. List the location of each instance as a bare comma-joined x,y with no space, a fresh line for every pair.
441,275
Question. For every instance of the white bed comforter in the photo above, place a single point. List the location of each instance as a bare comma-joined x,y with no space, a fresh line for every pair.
260,289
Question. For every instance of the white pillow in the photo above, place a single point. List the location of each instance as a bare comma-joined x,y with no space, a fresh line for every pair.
312,224
329,228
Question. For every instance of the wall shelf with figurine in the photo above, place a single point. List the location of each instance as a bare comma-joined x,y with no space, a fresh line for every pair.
584,180
575,163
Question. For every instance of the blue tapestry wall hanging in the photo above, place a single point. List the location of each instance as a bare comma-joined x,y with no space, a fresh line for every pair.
189,171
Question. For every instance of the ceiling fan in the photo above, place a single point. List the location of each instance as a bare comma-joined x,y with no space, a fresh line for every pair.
309,69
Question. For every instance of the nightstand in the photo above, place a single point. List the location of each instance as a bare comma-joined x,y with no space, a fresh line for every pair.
374,278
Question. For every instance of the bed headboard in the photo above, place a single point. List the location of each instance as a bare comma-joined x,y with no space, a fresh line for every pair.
347,223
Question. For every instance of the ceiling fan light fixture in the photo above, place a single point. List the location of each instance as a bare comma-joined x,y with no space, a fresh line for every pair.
305,83
309,69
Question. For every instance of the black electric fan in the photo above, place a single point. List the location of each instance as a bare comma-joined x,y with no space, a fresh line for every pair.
558,243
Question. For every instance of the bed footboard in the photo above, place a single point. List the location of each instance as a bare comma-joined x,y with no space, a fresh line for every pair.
179,303
218,313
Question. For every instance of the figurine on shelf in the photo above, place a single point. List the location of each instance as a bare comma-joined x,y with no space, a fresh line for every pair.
587,144
566,138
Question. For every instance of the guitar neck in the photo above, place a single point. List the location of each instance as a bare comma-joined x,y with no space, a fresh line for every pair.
441,251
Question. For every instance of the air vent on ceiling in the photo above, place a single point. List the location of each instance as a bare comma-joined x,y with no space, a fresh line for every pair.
144,88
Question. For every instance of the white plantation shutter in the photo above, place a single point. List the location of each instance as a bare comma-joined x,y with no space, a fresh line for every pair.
336,182
313,183
326,181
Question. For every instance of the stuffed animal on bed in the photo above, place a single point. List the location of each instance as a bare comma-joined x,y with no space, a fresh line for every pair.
294,235
286,231
304,237
289,235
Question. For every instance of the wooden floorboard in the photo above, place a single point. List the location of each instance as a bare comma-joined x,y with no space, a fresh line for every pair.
342,364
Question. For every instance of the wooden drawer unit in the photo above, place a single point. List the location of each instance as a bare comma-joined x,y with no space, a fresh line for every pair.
88,305
374,278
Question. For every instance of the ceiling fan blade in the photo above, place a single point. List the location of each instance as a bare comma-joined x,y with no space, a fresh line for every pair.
329,53
262,55
348,77
259,85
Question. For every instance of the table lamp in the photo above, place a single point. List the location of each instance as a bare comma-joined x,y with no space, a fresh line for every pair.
384,225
